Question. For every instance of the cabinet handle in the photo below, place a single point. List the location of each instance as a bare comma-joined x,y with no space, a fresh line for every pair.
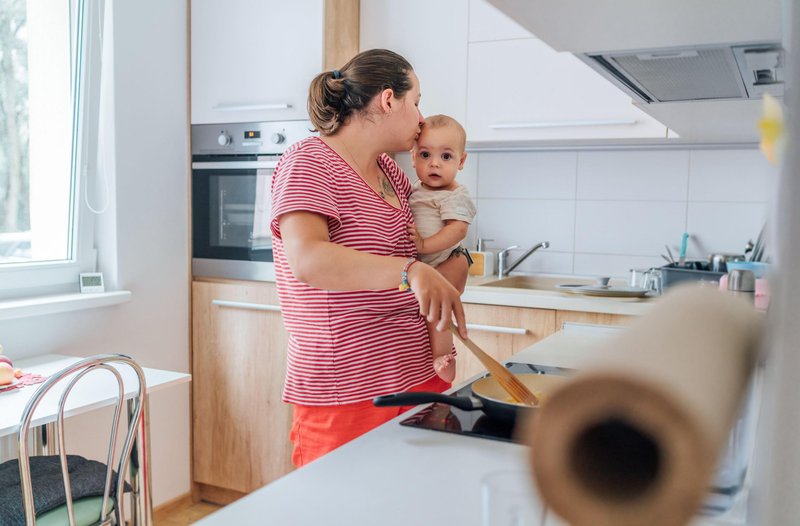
248,306
561,124
251,107
216,165
496,328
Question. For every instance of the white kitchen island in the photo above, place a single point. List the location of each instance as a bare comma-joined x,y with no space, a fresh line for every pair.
398,475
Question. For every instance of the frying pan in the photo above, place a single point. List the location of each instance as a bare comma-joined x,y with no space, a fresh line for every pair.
487,396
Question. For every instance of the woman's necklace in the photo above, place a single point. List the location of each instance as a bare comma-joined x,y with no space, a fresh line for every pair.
363,174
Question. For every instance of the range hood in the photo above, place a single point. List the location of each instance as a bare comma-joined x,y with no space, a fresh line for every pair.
699,67
694,73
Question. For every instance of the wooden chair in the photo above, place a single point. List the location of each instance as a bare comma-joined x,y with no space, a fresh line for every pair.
94,510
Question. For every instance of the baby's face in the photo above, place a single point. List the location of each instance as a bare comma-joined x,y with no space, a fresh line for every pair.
438,157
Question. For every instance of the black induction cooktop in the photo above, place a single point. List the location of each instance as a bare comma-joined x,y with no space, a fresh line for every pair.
448,419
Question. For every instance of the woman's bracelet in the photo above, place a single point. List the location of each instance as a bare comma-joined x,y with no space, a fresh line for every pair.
404,274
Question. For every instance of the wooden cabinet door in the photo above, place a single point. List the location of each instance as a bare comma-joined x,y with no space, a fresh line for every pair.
241,426
594,318
254,60
501,332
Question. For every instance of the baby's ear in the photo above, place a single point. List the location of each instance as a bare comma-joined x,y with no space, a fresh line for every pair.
413,157
463,158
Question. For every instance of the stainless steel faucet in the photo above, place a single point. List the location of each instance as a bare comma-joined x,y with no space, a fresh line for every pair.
504,267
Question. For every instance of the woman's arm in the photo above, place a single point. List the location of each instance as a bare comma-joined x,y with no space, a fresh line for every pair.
316,261
451,234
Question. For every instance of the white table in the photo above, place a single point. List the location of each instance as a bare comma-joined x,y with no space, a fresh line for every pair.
98,389
397,475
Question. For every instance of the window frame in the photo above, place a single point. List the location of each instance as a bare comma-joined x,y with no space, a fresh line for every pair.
41,278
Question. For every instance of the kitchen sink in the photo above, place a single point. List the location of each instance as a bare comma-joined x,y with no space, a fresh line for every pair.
538,282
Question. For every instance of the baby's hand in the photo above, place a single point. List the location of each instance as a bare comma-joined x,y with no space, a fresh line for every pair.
415,238
440,363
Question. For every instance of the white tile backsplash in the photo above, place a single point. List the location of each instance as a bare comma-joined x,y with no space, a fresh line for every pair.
635,228
612,266
527,175
730,175
606,212
525,222
544,260
723,227
633,175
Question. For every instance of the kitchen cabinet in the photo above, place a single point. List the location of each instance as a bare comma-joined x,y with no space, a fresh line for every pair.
253,60
501,331
487,23
520,89
497,79
594,318
240,425
433,37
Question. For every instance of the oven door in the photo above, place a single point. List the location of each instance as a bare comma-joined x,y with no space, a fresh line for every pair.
231,209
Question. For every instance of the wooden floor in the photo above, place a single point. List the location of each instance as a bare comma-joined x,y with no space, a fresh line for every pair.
187,515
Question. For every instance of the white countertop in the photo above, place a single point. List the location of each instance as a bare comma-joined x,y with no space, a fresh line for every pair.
398,475
99,391
477,291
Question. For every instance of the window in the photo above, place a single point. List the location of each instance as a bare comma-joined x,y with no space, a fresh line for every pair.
50,54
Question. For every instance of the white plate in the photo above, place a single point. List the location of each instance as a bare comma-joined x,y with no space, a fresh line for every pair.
14,381
607,291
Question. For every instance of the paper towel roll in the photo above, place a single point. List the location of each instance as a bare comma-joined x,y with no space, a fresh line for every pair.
633,438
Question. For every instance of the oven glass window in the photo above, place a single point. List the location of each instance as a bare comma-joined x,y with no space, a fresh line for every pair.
231,214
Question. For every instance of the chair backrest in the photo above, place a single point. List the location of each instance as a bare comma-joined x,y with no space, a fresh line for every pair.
74,373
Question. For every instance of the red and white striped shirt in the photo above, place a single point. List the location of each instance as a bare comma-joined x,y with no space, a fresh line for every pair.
346,346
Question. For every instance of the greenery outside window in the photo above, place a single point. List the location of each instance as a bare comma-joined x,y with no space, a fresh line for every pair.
50,63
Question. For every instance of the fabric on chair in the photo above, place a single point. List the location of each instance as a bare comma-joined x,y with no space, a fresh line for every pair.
87,479
87,511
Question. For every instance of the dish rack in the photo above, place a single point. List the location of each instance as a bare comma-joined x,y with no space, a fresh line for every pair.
675,273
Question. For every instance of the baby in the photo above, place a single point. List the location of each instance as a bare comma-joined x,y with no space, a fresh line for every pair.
442,212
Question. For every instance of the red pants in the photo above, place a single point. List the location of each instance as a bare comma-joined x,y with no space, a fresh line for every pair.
317,430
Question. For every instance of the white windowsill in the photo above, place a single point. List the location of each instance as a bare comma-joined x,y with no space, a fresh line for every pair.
21,308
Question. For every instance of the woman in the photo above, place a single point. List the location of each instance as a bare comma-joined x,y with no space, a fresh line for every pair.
344,261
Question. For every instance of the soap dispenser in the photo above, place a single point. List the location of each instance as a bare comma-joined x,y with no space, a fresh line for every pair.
482,260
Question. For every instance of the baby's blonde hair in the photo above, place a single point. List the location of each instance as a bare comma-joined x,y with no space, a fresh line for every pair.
440,121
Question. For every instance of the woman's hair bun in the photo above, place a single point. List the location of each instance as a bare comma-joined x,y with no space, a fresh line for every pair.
335,95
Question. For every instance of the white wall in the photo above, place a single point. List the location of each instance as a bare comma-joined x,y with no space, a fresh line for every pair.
145,233
605,212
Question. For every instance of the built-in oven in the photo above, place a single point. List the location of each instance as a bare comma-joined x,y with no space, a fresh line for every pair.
232,167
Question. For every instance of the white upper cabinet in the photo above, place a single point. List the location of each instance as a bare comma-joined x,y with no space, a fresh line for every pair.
432,35
486,22
481,67
252,60
521,89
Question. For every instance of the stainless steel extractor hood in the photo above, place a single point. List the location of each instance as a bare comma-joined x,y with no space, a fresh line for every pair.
694,73
700,68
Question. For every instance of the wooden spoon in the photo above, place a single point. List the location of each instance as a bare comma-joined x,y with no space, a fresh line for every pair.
507,380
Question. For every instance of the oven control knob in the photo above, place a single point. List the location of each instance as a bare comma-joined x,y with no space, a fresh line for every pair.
224,139
277,138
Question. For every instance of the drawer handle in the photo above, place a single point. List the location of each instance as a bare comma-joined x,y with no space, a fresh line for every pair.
248,306
496,328
216,165
251,107
561,124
